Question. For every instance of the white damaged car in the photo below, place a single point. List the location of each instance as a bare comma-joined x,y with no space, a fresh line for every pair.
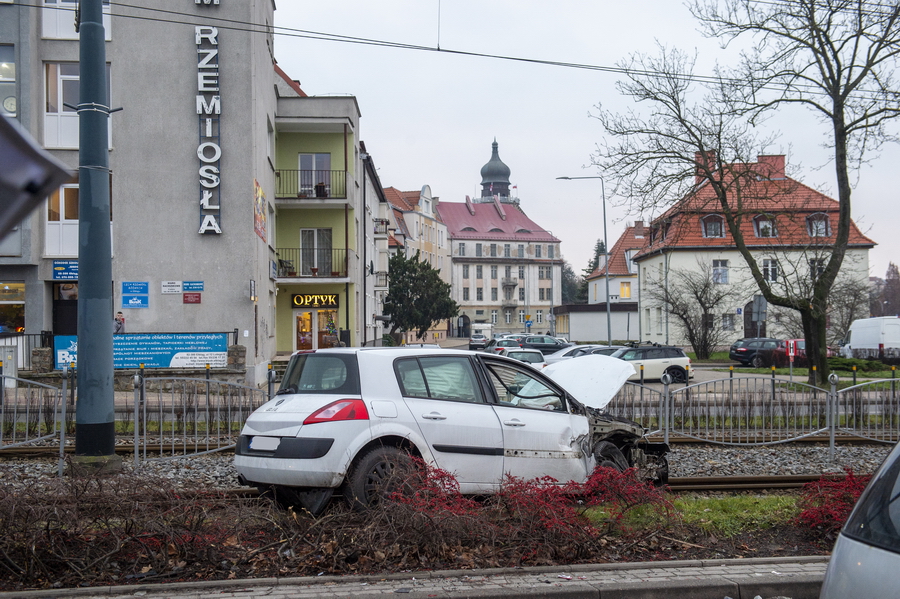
344,419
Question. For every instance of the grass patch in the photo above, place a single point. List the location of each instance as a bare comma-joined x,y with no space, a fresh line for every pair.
716,356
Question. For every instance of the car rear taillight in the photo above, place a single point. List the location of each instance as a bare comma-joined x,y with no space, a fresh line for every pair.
741,349
342,409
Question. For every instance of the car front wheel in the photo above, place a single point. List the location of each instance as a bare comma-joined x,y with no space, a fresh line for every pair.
757,362
376,475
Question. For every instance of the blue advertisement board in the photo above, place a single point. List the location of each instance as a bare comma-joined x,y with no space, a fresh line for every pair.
65,270
135,294
155,350
192,286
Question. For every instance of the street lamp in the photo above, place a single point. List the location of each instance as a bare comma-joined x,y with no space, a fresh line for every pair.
605,249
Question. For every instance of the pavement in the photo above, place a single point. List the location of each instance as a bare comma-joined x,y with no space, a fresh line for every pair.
793,578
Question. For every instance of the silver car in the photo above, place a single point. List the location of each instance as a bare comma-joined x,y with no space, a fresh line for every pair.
866,556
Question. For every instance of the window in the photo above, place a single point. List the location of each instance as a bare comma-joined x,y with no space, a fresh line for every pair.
816,267
550,251
507,250
507,316
728,322
494,271
315,177
58,18
465,294
465,273
479,294
520,251
508,272
462,249
516,387
8,100
764,226
720,272
537,251
539,316
521,294
625,290
521,316
493,294
541,294
493,250
479,272
709,321
659,320
713,226
647,319
315,253
493,317
445,377
62,221
478,250
521,272
60,121
12,307
770,270
817,225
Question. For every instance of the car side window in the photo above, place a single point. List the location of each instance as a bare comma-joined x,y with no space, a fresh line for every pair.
516,387
770,345
654,354
439,377
632,354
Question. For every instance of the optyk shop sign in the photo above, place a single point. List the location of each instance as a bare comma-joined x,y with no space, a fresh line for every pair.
315,300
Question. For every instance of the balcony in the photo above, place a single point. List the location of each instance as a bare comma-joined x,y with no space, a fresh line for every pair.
294,263
508,303
317,185
509,282
381,280
381,226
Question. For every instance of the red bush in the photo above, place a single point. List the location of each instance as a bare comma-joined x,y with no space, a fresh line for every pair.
826,504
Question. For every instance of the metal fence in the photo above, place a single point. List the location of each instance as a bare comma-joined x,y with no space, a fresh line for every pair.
32,414
758,410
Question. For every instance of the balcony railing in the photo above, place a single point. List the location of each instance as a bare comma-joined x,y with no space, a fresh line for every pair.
509,303
312,262
310,184
381,279
509,282
381,226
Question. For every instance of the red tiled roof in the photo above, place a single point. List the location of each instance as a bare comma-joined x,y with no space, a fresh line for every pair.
293,83
488,222
631,239
398,198
788,202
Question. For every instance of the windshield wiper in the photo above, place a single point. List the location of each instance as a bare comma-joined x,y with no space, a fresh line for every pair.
287,390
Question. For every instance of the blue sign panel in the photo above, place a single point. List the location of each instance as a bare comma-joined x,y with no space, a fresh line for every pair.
135,301
192,286
155,350
135,288
65,270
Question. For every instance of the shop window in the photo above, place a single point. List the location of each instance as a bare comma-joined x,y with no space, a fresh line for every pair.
8,100
12,307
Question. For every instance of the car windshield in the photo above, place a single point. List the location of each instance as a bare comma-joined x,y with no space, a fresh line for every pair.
876,518
321,373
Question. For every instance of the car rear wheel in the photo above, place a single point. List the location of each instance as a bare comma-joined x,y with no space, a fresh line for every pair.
376,475
757,362
679,375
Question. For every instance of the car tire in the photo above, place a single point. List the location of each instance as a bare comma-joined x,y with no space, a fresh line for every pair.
608,455
377,474
678,374
757,362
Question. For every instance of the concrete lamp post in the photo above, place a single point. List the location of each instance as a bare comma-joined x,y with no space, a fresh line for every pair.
605,249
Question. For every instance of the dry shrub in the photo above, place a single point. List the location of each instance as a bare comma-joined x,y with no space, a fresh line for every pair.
825,504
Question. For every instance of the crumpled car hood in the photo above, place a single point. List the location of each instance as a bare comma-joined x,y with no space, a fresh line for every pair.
593,379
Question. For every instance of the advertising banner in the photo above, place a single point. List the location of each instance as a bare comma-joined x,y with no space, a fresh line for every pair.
155,350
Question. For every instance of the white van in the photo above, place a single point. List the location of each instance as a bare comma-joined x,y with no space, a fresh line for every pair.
873,339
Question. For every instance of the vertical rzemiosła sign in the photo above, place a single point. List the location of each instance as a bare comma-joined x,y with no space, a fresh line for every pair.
209,109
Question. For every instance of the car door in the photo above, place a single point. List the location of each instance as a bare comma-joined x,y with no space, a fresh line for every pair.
461,428
540,436
656,360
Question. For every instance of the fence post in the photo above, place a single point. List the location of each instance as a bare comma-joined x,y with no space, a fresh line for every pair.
2,385
62,425
270,376
853,368
666,380
773,386
832,414
138,394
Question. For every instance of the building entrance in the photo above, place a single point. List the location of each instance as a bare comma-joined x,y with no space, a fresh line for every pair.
316,329
65,309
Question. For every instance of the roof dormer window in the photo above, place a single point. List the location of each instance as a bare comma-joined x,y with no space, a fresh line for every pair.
713,226
764,226
817,225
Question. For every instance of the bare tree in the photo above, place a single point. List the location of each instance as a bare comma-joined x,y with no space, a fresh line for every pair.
835,57
697,303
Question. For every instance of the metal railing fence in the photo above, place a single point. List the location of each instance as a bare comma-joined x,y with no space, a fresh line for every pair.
34,413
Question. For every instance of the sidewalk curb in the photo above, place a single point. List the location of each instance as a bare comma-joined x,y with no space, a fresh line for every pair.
721,578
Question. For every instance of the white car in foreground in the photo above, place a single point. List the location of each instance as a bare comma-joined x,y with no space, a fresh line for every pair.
345,418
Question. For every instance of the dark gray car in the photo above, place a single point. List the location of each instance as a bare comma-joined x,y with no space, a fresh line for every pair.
544,343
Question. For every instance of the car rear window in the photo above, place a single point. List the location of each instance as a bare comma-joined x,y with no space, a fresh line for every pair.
526,356
321,373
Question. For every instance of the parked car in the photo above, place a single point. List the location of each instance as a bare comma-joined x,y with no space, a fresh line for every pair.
543,343
657,361
866,554
781,359
607,350
345,419
758,352
570,352
873,339
497,345
477,341
529,356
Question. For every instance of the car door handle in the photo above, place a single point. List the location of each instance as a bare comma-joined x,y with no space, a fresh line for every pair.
513,423
434,416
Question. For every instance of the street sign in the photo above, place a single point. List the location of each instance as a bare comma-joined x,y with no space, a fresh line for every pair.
528,323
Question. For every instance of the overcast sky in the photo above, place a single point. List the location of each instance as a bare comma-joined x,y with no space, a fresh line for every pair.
429,118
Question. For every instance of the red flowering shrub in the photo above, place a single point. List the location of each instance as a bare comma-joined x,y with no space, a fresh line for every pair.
622,492
825,504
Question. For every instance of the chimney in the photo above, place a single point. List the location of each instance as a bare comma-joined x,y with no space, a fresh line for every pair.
639,229
770,167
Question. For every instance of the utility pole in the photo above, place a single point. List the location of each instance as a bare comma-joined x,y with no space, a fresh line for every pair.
94,412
